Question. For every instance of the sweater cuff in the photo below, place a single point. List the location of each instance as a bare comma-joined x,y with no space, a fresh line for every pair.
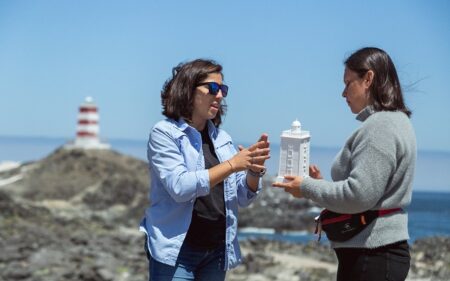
307,188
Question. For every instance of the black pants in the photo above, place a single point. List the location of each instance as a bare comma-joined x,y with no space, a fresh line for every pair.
390,262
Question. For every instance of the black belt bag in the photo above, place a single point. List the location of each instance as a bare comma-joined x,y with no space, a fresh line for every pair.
341,227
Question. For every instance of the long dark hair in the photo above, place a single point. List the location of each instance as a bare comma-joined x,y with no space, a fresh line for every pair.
385,91
177,95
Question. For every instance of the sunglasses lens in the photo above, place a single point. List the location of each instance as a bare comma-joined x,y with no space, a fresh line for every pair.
213,88
224,89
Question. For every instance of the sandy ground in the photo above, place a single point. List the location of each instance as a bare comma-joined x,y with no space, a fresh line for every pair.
295,261
292,261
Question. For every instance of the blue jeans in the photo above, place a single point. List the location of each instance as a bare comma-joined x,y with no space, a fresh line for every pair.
192,264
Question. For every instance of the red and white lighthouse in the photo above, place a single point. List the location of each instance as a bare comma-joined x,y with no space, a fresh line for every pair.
88,127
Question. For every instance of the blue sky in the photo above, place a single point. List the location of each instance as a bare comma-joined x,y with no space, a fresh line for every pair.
282,60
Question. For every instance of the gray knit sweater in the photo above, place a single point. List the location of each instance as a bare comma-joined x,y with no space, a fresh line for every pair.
374,170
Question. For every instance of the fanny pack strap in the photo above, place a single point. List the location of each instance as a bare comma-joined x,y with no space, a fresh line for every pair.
388,211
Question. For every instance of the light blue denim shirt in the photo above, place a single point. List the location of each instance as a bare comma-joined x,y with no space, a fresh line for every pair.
178,176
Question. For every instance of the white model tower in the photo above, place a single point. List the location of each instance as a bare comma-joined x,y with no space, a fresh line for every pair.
88,128
294,152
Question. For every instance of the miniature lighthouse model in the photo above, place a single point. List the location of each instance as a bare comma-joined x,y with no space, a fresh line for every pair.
88,128
294,152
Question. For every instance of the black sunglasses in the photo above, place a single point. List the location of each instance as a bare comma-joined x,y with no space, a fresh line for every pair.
214,88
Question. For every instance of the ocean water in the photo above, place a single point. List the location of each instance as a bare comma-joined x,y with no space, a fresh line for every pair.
429,212
428,215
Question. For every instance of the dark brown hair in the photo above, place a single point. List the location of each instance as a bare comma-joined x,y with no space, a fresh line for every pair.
177,95
385,91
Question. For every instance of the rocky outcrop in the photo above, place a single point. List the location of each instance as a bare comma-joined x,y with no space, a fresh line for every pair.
431,257
50,248
85,183
66,173
74,216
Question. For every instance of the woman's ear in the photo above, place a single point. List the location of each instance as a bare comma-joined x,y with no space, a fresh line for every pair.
368,78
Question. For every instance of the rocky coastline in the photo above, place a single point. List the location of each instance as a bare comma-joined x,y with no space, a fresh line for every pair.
74,214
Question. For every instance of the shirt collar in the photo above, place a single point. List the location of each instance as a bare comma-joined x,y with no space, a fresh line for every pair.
212,129
183,126
365,113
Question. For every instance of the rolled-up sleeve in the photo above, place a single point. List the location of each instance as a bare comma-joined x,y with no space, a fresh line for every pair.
245,194
167,160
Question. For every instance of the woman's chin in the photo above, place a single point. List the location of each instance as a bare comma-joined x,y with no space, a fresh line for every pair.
213,112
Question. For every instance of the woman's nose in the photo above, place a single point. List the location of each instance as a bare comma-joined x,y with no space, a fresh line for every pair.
219,95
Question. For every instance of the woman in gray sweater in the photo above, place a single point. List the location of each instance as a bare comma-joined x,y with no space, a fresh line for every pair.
373,171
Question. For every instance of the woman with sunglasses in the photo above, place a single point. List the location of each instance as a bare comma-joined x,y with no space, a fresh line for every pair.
198,179
373,171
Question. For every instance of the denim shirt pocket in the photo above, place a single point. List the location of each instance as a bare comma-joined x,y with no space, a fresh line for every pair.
192,157
225,149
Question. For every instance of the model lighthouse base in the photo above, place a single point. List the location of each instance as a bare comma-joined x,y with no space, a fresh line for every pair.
282,179
88,128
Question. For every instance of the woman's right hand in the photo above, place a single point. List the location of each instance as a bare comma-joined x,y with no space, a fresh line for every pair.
314,172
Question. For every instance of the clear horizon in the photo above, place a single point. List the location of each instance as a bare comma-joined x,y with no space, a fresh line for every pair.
437,163
145,140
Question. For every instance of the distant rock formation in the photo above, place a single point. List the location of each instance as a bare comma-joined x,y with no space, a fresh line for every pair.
92,180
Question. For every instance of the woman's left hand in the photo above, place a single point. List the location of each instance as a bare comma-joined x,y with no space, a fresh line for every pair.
262,149
292,185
